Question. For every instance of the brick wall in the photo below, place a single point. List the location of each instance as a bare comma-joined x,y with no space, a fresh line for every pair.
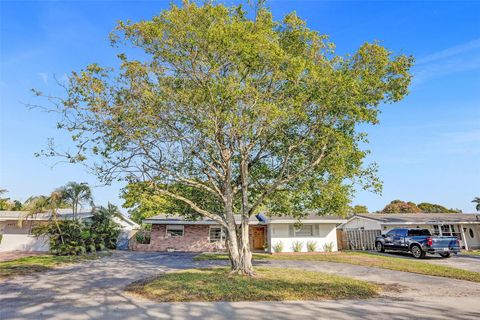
195,239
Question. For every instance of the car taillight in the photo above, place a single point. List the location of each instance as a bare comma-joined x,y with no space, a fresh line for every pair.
429,241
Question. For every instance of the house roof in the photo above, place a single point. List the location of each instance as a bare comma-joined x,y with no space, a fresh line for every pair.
259,219
415,218
63,214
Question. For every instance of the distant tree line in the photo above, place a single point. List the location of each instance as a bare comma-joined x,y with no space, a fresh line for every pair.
399,206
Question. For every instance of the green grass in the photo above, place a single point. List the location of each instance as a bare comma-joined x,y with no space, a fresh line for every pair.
473,252
40,263
269,284
368,260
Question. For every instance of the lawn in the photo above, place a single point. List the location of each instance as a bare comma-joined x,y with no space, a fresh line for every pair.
368,260
38,263
472,252
269,284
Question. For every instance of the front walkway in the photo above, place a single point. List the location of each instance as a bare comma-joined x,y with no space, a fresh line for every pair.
95,290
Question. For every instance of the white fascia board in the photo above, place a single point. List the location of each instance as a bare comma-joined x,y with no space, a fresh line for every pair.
307,221
428,222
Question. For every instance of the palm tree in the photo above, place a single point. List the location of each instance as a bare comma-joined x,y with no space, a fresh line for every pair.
41,204
111,211
76,194
477,201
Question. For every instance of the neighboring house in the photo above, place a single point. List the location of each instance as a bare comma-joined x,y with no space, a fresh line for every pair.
178,234
20,238
463,225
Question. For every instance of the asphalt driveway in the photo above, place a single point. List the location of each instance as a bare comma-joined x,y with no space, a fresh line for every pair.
95,290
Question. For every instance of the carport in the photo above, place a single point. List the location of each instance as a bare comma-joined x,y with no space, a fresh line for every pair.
465,226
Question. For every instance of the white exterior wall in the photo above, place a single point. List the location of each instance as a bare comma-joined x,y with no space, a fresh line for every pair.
472,242
359,223
327,233
17,238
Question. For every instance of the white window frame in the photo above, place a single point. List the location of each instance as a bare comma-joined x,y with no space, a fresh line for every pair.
223,235
174,227
295,231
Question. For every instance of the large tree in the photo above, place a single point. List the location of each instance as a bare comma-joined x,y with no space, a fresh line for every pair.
257,113
399,206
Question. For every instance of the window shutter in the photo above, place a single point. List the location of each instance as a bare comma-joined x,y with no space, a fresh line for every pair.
316,230
291,231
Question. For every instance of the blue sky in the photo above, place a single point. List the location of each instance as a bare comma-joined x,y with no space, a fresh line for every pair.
427,146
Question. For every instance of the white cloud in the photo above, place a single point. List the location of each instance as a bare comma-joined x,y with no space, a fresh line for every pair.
43,76
460,58
449,52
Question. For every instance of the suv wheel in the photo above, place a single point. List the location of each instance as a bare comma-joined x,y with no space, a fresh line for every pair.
379,247
417,251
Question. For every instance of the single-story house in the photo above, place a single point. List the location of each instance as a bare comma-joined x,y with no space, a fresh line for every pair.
465,226
179,234
20,238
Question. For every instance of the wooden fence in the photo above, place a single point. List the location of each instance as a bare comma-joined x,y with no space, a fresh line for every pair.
357,239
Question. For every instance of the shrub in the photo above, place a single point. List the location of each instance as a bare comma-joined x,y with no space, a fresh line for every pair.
328,247
74,237
278,247
143,236
297,246
64,237
312,246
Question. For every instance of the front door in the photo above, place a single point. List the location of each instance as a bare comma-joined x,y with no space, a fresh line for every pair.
258,238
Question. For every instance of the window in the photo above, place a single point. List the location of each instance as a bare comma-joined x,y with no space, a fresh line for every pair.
304,231
436,231
391,233
470,231
446,230
217,234
175,230
418,232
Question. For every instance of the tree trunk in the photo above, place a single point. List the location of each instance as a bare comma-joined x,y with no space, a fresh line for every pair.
239,251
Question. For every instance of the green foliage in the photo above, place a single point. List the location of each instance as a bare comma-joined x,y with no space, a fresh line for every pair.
312,246
67,237
8,205
328,247
74,237
297,246
256,113
398,206
272,82
477,201
75,194
103,229
358,209
278,247
435,208
143,236
143,201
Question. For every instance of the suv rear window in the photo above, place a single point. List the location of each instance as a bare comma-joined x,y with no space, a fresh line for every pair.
419,232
